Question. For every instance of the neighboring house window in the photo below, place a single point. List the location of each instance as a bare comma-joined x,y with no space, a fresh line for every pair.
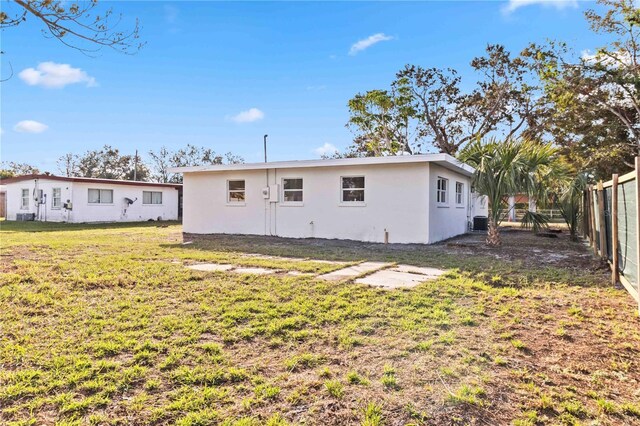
235,191
100,196
459,193
292,189
56,198
24,201
151,197
441,192
353,189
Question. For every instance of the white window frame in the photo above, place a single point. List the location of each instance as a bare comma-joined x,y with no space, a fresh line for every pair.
100,198
442,193
231,202
363,189
55,206
459,195
285,191
152,203
24,205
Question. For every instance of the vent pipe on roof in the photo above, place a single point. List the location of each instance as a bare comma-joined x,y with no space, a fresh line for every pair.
265,148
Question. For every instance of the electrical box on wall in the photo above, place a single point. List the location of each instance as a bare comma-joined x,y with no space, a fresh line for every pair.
265,192
274,190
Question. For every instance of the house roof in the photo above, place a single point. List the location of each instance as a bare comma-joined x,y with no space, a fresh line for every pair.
444,160
87,180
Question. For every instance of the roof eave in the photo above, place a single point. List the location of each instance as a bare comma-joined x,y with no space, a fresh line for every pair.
443,159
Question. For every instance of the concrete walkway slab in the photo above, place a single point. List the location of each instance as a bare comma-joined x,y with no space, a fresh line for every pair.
257,271
354,271
390,279
432,272
210,267
400,276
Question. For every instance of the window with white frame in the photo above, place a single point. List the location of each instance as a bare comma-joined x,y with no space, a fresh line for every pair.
100,196
459,193
56,198
151,197
24,200
352,188
235,191
441,191
292,190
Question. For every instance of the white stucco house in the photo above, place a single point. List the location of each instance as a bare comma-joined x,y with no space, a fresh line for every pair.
52,198
400,199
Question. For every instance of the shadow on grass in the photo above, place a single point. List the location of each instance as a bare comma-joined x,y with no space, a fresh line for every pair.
465,253
15,226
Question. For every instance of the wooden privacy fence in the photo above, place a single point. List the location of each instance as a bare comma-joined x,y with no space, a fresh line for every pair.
611,221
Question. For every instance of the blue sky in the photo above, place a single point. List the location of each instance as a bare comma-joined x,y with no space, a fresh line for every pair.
289,67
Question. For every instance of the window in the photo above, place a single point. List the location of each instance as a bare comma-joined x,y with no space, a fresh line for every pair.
100,196
235,191
352,189
459,193
24,201
292,190
151,197
56,198
441,193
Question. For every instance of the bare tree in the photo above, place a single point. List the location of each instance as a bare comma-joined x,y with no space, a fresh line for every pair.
79,25
68,165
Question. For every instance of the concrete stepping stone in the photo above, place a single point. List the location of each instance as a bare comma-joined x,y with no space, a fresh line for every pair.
353,271
432,272
400,276
210,267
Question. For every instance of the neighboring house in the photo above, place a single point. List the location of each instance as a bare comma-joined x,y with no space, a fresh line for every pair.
74,199
3,201
402,199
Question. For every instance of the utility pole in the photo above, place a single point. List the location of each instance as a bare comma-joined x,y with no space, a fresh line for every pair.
265,148
135,166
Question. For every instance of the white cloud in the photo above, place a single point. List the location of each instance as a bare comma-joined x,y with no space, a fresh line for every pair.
363,44
615,60
514,5
326,149
30,126
55,76
248,116
171,14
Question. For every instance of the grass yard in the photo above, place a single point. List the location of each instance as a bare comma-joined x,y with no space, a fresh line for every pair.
103,324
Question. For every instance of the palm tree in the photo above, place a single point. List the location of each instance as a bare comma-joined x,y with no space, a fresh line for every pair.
568,198
503,168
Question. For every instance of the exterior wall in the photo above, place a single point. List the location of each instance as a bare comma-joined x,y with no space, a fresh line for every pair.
119,210
449,219
42,211
83,211
399,198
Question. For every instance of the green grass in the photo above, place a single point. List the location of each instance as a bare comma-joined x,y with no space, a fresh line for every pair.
104,324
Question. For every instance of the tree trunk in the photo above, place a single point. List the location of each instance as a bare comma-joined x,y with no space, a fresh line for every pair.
493,234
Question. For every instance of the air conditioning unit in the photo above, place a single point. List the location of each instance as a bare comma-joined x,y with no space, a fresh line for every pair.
265,192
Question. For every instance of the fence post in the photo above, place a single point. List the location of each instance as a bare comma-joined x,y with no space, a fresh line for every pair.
592,217
585,214
614,230
602,224
638,228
